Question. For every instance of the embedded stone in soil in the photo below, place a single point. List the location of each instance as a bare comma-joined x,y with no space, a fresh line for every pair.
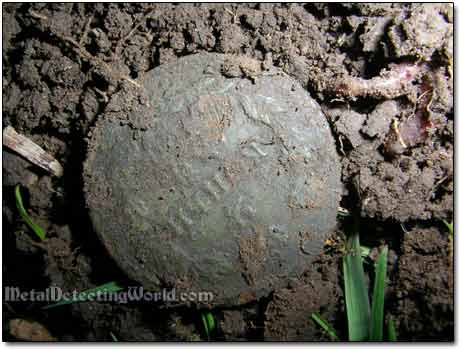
231,189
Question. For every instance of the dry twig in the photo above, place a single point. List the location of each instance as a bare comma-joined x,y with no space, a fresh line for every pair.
31,151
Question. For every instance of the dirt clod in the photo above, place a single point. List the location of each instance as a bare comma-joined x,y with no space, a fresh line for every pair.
26,330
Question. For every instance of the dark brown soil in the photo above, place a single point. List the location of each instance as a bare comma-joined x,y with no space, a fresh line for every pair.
64,65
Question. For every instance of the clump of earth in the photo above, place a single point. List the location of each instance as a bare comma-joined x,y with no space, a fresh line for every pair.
374,88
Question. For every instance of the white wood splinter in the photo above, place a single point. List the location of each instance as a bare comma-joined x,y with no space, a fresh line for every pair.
31,151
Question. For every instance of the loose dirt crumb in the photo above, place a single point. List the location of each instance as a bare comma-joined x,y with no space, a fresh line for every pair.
30,331
240,66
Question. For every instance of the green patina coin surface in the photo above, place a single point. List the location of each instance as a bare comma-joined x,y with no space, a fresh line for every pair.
231,188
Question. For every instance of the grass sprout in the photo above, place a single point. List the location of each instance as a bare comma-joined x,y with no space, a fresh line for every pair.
325,325
364,322
356,293
24,215
377,306
391,332
110,287
343,212
209,323
449,227
365,251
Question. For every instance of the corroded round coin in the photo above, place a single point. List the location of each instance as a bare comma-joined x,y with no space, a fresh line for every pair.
230,189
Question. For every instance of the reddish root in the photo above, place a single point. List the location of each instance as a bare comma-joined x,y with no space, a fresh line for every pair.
391,83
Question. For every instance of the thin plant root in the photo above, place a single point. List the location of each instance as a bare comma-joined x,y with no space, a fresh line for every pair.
149,14
87,29
83,53
31,151
415,129
395,128
389,84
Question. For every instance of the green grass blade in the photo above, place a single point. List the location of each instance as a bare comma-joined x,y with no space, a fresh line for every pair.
357,303
343,213
208,323
110,287
377,305
449,227
391,332
365,251
325,325
211,322
22,211
205,326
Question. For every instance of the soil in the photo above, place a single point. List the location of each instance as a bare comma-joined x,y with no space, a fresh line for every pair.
383,74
